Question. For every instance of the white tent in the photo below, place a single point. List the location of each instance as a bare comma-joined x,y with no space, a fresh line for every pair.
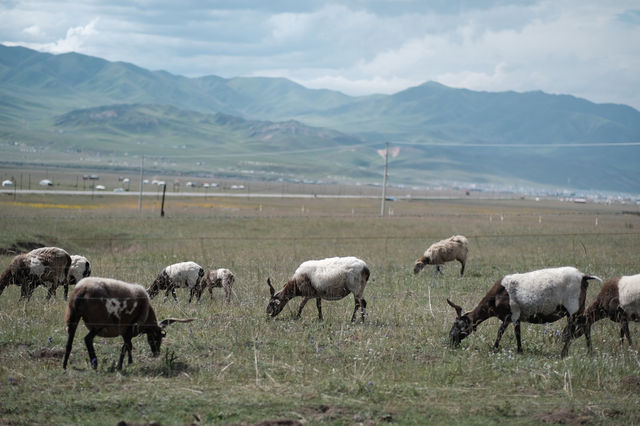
7,183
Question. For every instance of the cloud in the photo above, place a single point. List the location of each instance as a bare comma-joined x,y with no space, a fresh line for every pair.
74,40
580,47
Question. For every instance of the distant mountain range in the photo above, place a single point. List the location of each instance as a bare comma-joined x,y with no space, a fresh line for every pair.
76,109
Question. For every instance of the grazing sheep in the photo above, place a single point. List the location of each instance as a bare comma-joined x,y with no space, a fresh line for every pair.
80,268
183,274
537,297
453,248
618,300
330,279
111,308
219,278
47,266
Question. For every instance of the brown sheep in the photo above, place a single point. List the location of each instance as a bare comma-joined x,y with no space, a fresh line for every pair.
111,308
453,248
219,278
47,266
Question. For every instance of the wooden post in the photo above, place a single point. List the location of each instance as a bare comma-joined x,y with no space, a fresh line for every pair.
164,189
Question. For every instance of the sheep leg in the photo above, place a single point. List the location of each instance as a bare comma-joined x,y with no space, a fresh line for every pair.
66,290
624,331
173,293
570,335
304,302
71,330
51,291
516,326
126,347
462,268
501,330
319,306
587,336
88,340
362,304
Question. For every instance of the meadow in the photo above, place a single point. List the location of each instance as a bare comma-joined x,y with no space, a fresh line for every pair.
233,365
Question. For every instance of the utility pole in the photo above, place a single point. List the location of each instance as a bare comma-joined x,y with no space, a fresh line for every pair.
141,174
384,178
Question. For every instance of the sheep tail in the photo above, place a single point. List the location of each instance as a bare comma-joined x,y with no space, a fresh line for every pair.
592,277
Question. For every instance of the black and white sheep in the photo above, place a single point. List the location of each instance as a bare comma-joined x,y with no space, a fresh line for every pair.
111,308
220,277
330,279
183,274
47,266
450,249
618,300
540,296
80,268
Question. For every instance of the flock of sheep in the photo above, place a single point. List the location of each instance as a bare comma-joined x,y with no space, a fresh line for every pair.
111,308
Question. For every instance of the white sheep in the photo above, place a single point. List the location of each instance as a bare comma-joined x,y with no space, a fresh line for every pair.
450,249
47,266
111,308
618,300
221,277
537,297
183,274
80,268
329,279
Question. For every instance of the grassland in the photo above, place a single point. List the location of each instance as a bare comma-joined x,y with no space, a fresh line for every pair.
234,366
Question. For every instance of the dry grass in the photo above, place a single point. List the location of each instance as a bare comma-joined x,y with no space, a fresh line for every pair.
234,366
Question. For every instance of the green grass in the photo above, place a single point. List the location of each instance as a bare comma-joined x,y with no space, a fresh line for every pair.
233,365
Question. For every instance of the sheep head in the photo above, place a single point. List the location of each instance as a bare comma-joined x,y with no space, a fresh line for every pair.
421,263
156,334
160,283
277,301
462,326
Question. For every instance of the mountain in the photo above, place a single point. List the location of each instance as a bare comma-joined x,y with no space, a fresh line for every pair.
71,105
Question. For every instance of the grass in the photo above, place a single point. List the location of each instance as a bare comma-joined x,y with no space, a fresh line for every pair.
233,365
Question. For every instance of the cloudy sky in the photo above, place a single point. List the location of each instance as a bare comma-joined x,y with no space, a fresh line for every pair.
587,48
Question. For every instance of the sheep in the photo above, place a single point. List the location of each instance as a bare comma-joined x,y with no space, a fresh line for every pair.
221,277
80,268
183,274
541,296
453,248
330,279
111,308
619,300
48,266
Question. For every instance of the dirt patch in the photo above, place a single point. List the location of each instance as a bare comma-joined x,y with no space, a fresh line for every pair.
278,422
46,353
20,247
563,416
630,383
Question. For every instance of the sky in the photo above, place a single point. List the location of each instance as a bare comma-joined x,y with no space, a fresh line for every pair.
586,48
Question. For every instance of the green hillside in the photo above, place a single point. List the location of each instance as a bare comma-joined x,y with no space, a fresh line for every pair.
69,108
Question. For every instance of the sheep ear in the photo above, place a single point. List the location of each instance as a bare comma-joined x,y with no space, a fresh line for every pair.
271,289
456,307
166,322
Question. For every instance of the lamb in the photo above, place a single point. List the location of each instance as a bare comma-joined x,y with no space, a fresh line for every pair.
111,308
541,296
183,274
453,248
80,268
221,277
330,279
619,300
48,266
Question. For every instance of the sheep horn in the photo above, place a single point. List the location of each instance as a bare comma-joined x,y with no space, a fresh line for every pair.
166,322
271,289
456,307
